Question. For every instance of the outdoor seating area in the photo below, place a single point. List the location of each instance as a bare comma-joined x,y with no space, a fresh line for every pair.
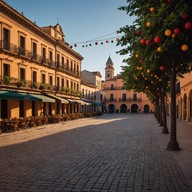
16,124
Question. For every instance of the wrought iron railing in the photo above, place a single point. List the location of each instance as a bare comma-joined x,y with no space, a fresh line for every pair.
123,100
114,88
24,53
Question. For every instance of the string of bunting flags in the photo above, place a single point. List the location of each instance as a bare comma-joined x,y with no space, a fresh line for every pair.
96,41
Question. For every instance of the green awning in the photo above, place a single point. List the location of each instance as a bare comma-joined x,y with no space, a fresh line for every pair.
62,100
97,104
16,95
44,98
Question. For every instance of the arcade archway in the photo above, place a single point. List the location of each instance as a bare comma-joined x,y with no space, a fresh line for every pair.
123,108
134,108
146,108
111,108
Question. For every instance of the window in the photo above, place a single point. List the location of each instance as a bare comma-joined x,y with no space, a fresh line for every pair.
34,76
51,80
62,82
6,70
22,74
124,97
43,55
50,57
67,83
108,74
112,86
34,51
67,64
71,85
58,60
77,69
63,62
74,68
83,92
58,82
134,96
74,86
6,39
111,97
77,87
71,66
22,45
43,80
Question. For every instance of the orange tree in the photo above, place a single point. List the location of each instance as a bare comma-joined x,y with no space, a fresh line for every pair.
161,36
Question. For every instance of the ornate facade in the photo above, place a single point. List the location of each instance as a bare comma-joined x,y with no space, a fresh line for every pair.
39,72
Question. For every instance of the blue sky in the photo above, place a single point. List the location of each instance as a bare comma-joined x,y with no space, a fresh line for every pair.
81,21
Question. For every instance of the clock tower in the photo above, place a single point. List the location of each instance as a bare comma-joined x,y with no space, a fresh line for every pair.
109,69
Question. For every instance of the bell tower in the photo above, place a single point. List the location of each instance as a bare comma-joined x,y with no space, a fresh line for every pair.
109,69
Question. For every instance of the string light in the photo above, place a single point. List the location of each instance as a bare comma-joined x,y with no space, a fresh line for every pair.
99,40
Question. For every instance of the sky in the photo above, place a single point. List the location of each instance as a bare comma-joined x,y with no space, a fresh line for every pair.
82,21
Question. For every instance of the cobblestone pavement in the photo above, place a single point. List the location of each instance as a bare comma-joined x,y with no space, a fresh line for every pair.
109,153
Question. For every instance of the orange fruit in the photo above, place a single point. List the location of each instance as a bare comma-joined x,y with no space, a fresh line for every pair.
152,9
184,47
148,24
168,32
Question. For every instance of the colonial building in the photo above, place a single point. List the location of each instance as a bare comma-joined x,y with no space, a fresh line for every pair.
91,89
39,72
118,99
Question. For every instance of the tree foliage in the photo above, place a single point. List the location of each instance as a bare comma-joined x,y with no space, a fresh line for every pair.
158,45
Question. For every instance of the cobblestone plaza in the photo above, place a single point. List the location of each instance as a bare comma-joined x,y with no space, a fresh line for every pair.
109,153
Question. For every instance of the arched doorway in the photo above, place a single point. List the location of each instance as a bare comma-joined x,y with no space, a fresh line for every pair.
181,109
184,107
111,108
190,105
146,108
123,108
134,108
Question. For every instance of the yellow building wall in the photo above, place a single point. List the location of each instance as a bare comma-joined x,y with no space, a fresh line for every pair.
13,108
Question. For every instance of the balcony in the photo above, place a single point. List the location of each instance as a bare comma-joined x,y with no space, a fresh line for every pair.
114,88
123,100
8,82
12,49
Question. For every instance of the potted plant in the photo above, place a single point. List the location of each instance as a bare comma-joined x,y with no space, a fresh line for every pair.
34,85
18,84
6,80
42,86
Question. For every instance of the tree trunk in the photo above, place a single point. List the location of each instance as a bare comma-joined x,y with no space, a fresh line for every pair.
161,111
157,108
165,129
173,144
